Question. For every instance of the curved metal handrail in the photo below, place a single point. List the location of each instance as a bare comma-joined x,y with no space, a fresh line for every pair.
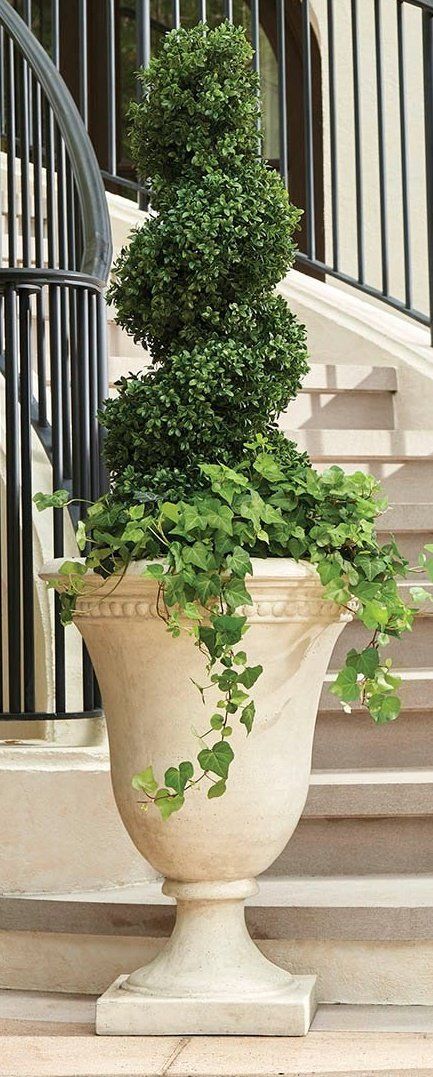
97,252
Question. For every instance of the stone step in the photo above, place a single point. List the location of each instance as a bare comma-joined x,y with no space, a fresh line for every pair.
346,397
280,907
415,649
350,741
355,741
370,940
383,446
343,378
359,845
415,691
349,1044
345,410
362,793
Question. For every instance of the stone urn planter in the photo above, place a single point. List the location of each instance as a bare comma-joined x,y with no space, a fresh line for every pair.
210,977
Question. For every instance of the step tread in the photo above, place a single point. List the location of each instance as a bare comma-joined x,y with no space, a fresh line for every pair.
325,1052
346,891
336,445
341,378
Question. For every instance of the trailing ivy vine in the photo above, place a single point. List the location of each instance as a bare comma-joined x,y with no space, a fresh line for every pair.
264,508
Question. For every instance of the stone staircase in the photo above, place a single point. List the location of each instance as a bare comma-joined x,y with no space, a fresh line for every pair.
351,896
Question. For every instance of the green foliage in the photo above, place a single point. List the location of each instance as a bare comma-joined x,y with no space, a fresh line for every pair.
196,283
272,505
201,478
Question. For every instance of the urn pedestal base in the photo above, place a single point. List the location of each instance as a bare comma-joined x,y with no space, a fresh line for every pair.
121,1013
210,978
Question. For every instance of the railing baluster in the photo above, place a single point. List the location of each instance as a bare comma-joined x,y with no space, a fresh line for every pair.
228,10
102,382
83,61
38,219
282,91
13,502
175,14
111,86
11,149
381,147
58,477
357,133
26,503
404,156
143,32
255,34
55,32
333,135
50,179
308,132
427,28
24,156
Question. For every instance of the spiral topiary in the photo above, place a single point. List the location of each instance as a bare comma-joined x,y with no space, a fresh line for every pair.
196,284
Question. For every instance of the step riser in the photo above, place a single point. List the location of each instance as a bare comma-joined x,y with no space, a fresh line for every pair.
352,741
87,964
358,847
350,411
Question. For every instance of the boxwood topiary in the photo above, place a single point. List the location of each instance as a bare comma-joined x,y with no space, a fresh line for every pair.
196,283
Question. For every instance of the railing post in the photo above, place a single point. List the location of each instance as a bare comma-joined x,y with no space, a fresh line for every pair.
427,28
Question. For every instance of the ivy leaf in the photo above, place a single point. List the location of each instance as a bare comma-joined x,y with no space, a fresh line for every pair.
217,790
268,467
72,568
216,759
80,535
56,500
170,511
236,594
239,562
384,708
190,520
156,572
177,777
365,662
247,717
346,685
167,803
230,626
145,781
207,637
420,595
370,566
198,554
250,676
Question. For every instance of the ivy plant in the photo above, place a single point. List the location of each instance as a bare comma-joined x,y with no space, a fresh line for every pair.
203,546
201,479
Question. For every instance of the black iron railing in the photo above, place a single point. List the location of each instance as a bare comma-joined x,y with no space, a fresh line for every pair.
56,253
348,113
